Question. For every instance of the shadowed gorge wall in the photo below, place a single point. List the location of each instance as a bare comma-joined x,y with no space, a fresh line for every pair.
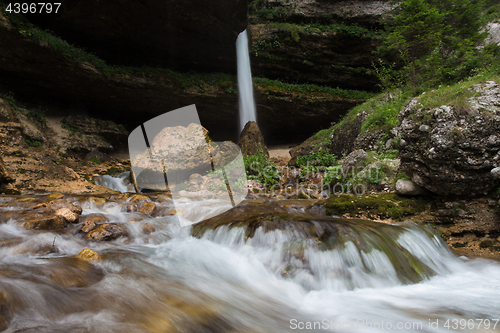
179,34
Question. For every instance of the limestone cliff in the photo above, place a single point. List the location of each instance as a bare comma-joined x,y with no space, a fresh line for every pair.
322,42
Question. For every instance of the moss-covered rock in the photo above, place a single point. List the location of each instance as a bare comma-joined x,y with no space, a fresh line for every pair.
386,206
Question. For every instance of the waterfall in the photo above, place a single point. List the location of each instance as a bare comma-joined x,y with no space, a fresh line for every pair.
245,88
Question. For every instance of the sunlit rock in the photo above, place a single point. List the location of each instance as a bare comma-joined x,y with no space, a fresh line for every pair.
107,232
88,255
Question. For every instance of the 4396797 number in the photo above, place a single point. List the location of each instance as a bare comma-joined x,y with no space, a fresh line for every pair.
33,8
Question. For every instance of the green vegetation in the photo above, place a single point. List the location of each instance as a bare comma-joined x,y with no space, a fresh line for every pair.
295,29
95,160
37,115
260,168
316,159
33,143
10,100
436,42
310,89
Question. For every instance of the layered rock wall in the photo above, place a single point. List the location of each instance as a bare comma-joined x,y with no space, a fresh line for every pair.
181,34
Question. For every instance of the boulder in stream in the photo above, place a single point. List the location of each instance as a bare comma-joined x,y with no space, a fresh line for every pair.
107,232
46,221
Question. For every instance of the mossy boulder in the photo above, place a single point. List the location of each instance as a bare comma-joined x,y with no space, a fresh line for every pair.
385,206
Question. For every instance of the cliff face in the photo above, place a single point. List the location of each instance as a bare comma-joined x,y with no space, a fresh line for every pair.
322,42
181,34
40,77
190,35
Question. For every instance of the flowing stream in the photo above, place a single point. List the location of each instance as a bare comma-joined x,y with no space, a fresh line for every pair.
274,266
245,87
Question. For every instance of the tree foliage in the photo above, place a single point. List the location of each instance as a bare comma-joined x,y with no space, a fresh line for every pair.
433,41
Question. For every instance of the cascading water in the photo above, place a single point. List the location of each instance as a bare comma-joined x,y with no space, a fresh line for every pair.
245,87
118,183
262,267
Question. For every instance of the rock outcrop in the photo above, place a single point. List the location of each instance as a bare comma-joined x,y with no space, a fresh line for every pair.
6,180
251,140
321,42
38,75
453,150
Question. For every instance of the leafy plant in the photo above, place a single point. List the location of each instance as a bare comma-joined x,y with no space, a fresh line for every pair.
33,143
259,168
95,160
319,158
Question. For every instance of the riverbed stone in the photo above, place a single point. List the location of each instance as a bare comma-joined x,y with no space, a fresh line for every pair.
107,232
54,196
495,173
4,311
71,272
353,161
88,226
67,214
45,222
88,255
54,205
148,228
147,208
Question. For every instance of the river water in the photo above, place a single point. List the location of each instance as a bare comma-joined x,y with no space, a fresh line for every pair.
272,276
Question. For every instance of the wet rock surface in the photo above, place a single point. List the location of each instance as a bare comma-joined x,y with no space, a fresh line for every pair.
107,231
45,222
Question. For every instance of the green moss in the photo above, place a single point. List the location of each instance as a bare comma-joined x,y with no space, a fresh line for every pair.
388,205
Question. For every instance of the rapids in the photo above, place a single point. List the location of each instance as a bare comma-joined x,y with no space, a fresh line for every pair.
288,267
